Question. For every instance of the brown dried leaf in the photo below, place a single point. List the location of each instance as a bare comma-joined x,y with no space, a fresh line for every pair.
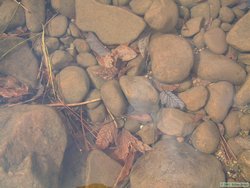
106,135
140,117
126,168
107,61
124,53
127,143
10,87
106,73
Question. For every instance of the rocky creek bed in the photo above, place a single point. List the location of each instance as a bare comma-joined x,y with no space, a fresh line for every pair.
124,93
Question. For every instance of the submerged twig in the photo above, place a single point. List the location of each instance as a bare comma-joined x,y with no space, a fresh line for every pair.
20,4
17,45
112,117
74,104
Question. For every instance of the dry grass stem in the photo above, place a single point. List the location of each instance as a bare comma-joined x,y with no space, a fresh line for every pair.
112,117
73,104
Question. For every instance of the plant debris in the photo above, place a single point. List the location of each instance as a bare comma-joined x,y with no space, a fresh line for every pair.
127,143
12,89
170,100
106,135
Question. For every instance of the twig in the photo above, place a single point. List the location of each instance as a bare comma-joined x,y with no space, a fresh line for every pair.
228,147
20,4
19,44
112,117
83,132
74,104
83,121
12,16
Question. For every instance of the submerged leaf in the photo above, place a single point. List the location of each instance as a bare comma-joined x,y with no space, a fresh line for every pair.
127,143
170,100
11,87
106,73
126,168
124,53
106,61
106,135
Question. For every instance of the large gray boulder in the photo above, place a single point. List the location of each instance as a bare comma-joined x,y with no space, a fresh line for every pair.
176,165
32,144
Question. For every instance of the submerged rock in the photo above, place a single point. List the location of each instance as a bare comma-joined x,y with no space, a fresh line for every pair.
101,169
220,100
242,96
7,20
216,68
114,98
19,62
32,145
239,35
35,17
140,93
172,58
65,7
162,15
206,137
73,84
113,25
174,122
175,165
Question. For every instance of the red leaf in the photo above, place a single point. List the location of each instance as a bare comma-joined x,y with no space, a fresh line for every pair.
127,143
126,168
106,73
124,53
10,87
106,135
107,61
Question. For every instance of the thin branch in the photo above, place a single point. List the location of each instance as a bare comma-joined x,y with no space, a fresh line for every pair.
20,4
48,62
74,104
19,44
112,117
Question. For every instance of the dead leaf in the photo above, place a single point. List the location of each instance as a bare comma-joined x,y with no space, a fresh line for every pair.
127,143
10,87
106,61
126,168
124,53
106,135
170,100
141,117
106,73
